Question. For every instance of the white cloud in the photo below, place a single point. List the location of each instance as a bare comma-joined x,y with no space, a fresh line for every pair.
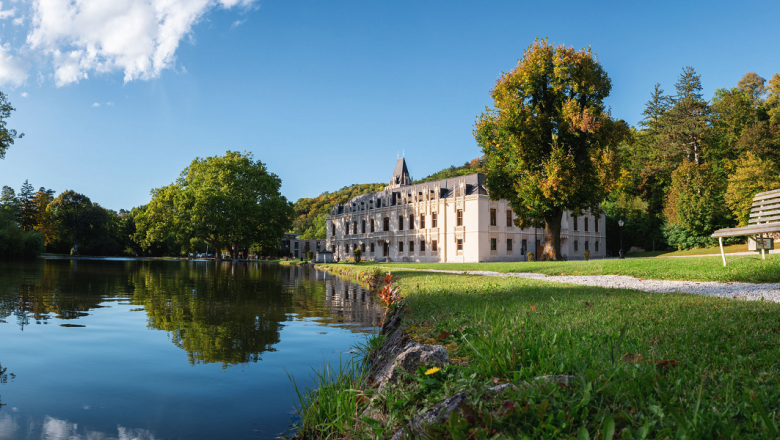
95,104
110,104
18,21
25,94
7,13
237,23
13,70
138,37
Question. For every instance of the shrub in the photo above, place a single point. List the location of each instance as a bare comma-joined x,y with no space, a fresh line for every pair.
310,255
530,256
15,243
358,252
586,255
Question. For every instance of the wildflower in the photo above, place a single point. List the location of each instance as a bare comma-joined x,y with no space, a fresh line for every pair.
431,371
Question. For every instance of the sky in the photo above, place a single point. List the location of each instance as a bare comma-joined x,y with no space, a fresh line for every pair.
117,97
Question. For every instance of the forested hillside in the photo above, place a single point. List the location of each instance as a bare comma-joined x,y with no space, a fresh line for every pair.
310,214
475,166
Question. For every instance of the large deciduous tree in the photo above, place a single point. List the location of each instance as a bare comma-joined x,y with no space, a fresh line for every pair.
229,201
75,213
549,142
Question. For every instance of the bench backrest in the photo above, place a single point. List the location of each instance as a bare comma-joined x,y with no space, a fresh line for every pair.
765,208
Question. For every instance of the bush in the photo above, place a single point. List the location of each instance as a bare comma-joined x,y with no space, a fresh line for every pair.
586,255
15,243
310,255
530,256
358,252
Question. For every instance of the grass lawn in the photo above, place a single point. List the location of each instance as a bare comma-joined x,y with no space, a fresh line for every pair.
701,251
645,365
693,269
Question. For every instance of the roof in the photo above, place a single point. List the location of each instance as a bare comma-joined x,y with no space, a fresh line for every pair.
400,168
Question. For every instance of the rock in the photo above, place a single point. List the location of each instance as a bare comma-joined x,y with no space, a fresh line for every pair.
498,389
436,415
635,249
410,358
387,353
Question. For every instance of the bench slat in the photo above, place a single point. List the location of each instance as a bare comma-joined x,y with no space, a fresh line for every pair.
772,219
766,195
764,207
763,213
747,230
766,202
771,191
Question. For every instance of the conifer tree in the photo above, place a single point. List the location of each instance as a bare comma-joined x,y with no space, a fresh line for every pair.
27,208
684,128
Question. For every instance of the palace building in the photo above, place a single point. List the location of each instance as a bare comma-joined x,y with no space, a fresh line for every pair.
449,220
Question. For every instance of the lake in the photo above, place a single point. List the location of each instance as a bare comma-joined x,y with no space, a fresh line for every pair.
130,349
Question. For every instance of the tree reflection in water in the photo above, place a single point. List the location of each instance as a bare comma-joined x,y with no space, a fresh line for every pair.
225,312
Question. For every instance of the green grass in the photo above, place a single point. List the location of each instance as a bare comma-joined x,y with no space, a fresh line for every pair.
692,269
726,383
698,251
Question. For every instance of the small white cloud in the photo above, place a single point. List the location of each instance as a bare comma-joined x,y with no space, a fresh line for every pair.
24,94
13,70
183,69
18,21
95,104
110,104
237,23
7,13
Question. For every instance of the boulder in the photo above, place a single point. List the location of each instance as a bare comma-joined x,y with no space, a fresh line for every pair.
409,359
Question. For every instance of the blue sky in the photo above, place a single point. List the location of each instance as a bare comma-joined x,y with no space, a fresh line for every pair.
116,100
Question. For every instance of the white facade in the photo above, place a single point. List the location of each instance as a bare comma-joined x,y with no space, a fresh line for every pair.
450,220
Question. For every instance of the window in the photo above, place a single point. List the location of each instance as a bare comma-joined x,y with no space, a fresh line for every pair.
363,225
509,244
401,247
346,248
434,246
363,248
434,220
354,227
575,246
411,221
509,218
386,248
422,221
333,229
492,244
400,223
538,243
386,225
574,222
459,218
523,247
586,227
372,248
460,244
586,243
597,245
411,247
492,217
596,227
372,226
422,245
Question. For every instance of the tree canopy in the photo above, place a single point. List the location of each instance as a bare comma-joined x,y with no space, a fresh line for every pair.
549,142
229,201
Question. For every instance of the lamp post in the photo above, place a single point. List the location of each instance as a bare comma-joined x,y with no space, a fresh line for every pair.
620,223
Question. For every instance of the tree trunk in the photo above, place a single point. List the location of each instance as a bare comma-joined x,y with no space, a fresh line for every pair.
75,243
552,235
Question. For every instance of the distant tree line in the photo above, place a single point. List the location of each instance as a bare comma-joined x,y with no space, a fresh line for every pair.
225,204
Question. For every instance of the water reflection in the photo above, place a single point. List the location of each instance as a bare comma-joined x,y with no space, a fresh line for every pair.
55,429
217,312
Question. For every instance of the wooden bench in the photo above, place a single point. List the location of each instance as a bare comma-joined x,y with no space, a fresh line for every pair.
764,218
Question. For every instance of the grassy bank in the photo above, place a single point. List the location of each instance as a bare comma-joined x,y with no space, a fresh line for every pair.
644,365
689,252
693,269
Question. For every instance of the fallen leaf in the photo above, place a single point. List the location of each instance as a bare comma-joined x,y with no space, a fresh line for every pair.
665,363
587,304
533,308
443,335
498,381
632,358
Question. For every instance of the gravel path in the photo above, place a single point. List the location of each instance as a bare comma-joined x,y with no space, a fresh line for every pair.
747,291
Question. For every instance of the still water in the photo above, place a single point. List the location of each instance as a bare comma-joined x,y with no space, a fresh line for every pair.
95,349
